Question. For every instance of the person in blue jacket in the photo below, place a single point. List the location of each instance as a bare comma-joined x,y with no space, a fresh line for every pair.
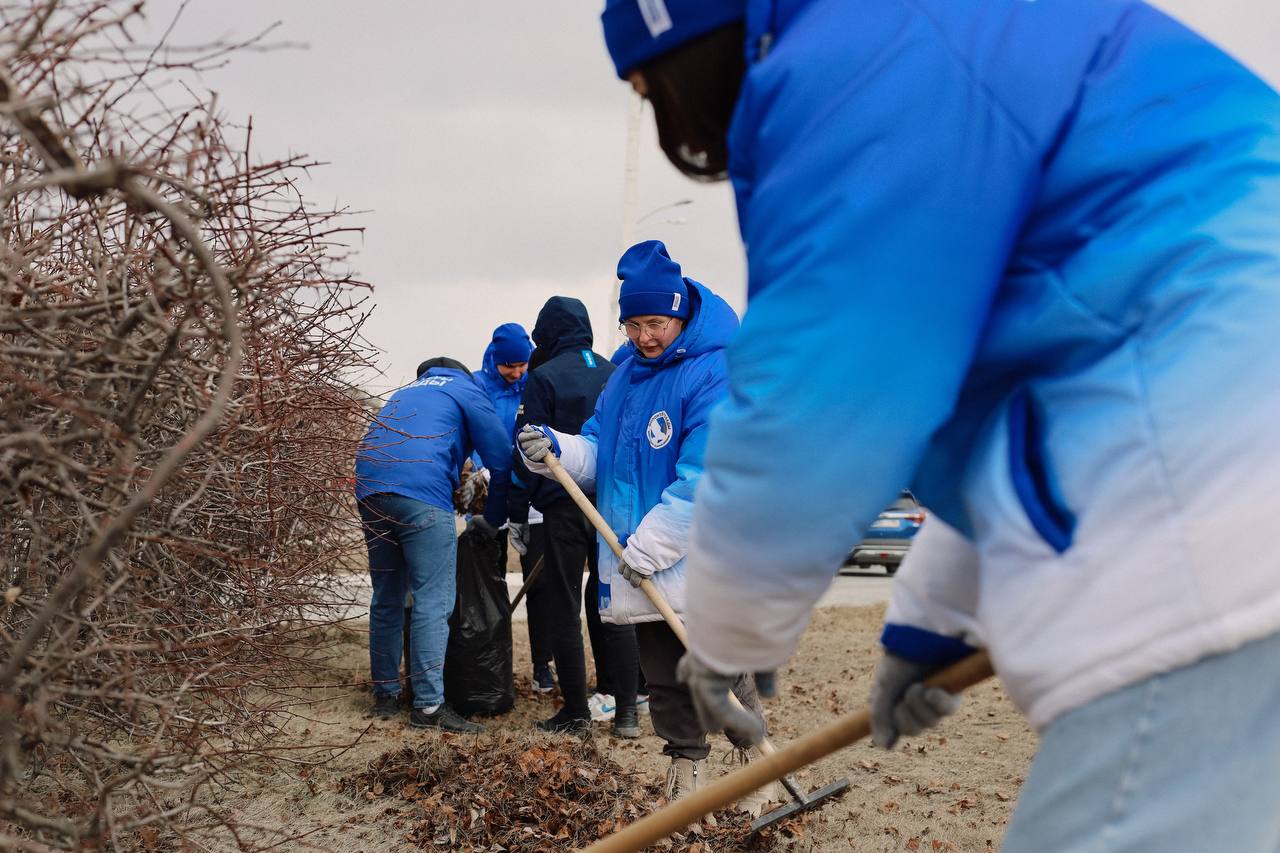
1025,258
503,374
641,453
407,468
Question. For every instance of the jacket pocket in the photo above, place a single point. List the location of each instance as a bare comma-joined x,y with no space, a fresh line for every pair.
1031,475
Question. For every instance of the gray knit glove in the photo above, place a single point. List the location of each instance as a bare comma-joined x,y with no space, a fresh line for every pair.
901,704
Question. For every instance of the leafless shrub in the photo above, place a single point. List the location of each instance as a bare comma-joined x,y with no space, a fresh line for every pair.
175,334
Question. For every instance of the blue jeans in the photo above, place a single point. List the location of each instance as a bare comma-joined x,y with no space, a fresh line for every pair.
413,547
1187,761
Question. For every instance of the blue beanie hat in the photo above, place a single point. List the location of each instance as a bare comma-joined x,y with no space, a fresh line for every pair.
651,283
638,30
511,344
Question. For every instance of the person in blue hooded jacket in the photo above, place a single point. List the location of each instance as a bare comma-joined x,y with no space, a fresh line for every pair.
503,374
407,468
641,453
1025,258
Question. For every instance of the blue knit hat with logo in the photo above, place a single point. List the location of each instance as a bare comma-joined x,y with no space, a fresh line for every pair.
651,283
511,344
638,30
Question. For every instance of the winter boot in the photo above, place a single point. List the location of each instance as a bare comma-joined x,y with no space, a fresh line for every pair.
682,778
753,803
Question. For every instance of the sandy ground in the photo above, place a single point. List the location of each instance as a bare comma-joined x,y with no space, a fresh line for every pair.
951,790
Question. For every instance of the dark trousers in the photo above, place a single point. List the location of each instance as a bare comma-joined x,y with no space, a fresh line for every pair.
570,542
614,648
535,599
670,705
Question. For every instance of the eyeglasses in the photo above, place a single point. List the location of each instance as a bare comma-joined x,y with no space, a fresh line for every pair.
654,328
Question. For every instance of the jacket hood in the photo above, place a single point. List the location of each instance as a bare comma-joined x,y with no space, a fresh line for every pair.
711,327
563,324
623,353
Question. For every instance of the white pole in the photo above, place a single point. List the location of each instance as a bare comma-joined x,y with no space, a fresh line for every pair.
630,202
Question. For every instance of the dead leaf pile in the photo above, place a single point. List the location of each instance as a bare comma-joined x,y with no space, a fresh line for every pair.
514,794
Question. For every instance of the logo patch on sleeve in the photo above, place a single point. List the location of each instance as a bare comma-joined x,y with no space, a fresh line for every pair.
660,430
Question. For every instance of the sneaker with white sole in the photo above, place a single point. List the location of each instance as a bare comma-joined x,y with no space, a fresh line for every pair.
544,680
602,706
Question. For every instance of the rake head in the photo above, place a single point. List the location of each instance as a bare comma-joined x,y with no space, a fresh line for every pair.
799,803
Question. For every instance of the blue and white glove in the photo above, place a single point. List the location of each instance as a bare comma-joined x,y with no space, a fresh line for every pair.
536,442
901,704
710,692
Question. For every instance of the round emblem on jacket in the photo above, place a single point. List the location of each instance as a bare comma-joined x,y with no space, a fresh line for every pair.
659,431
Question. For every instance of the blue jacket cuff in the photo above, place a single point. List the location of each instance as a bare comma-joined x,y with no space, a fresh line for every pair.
555,443
925,647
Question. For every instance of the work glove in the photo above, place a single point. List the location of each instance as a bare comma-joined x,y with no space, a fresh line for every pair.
477,524
634,574
710,691
467,489
901,704
519,536
536,442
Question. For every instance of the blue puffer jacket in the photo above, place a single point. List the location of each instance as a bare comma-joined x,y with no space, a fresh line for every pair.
642,453
1024,256
421,437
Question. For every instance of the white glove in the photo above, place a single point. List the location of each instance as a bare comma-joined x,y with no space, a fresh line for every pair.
901,704
519,535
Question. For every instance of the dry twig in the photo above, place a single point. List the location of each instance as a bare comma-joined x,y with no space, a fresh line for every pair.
176,334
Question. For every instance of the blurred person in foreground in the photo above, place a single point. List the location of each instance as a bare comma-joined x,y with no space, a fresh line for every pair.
1056,226
641,452
407,468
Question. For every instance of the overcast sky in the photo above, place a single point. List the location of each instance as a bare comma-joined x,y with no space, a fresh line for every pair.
485,142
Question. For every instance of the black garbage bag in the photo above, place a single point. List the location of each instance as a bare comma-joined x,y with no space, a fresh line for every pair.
477,665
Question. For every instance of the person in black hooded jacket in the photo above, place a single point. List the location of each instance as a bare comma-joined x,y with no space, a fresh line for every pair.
561,393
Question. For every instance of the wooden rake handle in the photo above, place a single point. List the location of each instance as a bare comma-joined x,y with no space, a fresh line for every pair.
597,520
775,763
656,598
806,750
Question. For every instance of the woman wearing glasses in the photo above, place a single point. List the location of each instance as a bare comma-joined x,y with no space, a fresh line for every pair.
641,452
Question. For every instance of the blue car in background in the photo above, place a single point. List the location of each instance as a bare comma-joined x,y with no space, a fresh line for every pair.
889,538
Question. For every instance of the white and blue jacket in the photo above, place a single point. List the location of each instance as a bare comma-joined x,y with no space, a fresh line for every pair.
641,452
1025,258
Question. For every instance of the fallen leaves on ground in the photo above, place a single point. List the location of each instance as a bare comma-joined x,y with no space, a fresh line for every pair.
515,794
